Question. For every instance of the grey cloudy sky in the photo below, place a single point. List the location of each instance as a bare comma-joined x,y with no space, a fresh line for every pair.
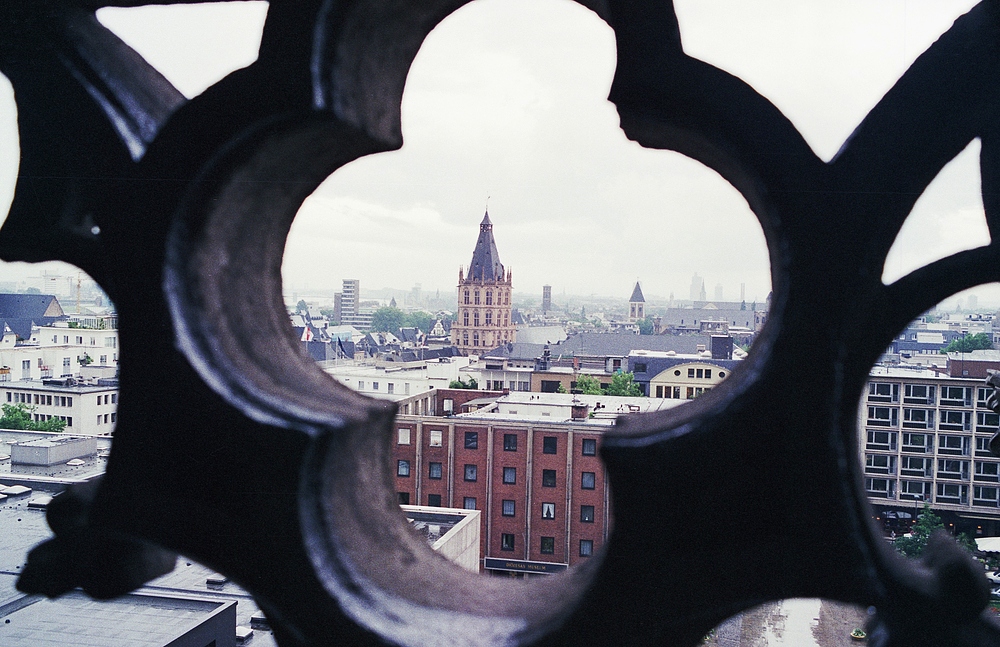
507,99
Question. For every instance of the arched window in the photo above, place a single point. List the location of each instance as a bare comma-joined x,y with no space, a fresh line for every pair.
465,339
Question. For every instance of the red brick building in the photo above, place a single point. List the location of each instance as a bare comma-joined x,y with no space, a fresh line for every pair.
541,487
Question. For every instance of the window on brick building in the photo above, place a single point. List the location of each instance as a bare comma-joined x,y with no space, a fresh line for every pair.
510,475
548,478
404,498
510,442
506,541
471,472
404,437
549,445
548,511
588,480
469,503
548,545
587,513
589,446
434,500
436,437
509,508
586,547
472,440
402,468
434,470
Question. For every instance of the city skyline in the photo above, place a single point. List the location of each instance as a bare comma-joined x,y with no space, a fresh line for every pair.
515,111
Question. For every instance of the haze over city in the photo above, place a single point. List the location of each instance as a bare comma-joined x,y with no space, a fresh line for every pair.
514,111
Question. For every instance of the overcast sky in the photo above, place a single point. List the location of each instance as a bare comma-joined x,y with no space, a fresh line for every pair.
507,100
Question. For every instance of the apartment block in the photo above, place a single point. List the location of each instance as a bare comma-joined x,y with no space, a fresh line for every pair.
541,488
924,437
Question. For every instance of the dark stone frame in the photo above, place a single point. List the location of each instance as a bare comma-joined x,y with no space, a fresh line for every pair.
180,209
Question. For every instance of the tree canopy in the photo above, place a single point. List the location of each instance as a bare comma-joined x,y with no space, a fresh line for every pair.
588,385
19,416
387,319
927,523
624,384
419,319
461,384
646,326
969,343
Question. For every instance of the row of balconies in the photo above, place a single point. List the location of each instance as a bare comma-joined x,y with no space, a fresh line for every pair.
927,394
924,491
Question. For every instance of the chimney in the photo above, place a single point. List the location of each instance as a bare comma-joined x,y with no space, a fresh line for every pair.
722,347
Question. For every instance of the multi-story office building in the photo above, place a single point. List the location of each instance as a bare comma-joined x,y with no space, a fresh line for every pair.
924,437
540,486
87,409
350,297
484,311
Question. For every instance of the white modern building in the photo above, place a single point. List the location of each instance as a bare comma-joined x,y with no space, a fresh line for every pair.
87,408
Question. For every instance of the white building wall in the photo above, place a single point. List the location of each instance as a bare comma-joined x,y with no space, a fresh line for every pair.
87,410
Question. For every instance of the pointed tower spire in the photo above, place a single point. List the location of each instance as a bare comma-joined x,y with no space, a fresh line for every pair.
486,265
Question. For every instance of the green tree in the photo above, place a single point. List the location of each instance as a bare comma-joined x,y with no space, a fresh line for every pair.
969,343
645,326
461,384
54,425
588,385
624,384
387,320
302,306
560,388
927,523
18,416
328,313
422,320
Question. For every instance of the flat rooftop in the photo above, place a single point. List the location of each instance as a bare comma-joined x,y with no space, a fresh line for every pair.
78,388
92,466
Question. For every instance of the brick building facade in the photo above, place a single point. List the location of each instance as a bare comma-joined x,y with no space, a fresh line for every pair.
542,488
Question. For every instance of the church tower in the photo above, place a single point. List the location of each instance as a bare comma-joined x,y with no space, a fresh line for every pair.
636,305
484,311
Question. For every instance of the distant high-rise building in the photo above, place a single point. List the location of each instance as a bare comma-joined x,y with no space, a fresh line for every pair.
719,292
636,304
484,311
697,288
350,300
546,298
338,307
